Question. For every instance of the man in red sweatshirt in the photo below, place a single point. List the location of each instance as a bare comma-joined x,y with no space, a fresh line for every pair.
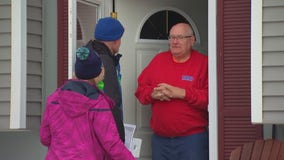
175,83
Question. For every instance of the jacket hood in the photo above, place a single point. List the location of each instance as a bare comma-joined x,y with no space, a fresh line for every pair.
102,49
77,97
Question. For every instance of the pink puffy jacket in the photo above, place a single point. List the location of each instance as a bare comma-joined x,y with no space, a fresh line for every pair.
76,127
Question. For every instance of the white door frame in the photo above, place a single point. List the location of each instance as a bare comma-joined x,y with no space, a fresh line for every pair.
212,55
213,92
105,7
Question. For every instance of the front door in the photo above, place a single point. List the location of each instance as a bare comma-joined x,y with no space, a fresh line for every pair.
138,47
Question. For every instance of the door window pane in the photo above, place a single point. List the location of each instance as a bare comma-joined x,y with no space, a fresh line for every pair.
158,25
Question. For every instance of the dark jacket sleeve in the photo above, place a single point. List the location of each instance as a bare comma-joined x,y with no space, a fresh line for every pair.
112,90
119,123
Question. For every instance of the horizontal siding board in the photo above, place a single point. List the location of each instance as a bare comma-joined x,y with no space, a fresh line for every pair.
34,81
5,94
34,3
5,2
34,41
5,81
273,88
5,53
4,122
273,28
268,3
273,103
5,25
34,54
33,109
273,73
34,13
34,95
273,43
5,39
5,67
4,108
273,14
274,117
5,11
34,27
271,58
34,68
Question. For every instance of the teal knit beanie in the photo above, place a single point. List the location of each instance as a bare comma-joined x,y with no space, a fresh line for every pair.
88,64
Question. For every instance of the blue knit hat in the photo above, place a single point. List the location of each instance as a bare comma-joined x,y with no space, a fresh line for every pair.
88,64
108,29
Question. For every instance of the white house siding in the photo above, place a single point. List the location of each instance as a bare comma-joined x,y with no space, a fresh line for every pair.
5,62
273,61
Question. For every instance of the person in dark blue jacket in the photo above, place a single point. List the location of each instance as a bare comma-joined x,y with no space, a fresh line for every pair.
107,34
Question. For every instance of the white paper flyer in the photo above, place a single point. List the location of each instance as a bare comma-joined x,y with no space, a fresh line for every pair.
129,133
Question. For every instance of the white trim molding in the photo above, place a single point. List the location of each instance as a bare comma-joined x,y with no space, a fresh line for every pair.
256,62
212,70
72,27
18,64
72,34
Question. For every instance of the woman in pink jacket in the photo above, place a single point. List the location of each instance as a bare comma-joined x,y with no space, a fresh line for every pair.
78,123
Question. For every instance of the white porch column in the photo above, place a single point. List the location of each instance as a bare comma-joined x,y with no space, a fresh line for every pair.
18,64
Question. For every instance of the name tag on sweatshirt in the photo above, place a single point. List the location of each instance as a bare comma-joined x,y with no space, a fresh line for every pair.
187,78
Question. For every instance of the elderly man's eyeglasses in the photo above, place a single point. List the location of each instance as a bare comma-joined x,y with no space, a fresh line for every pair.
180,37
